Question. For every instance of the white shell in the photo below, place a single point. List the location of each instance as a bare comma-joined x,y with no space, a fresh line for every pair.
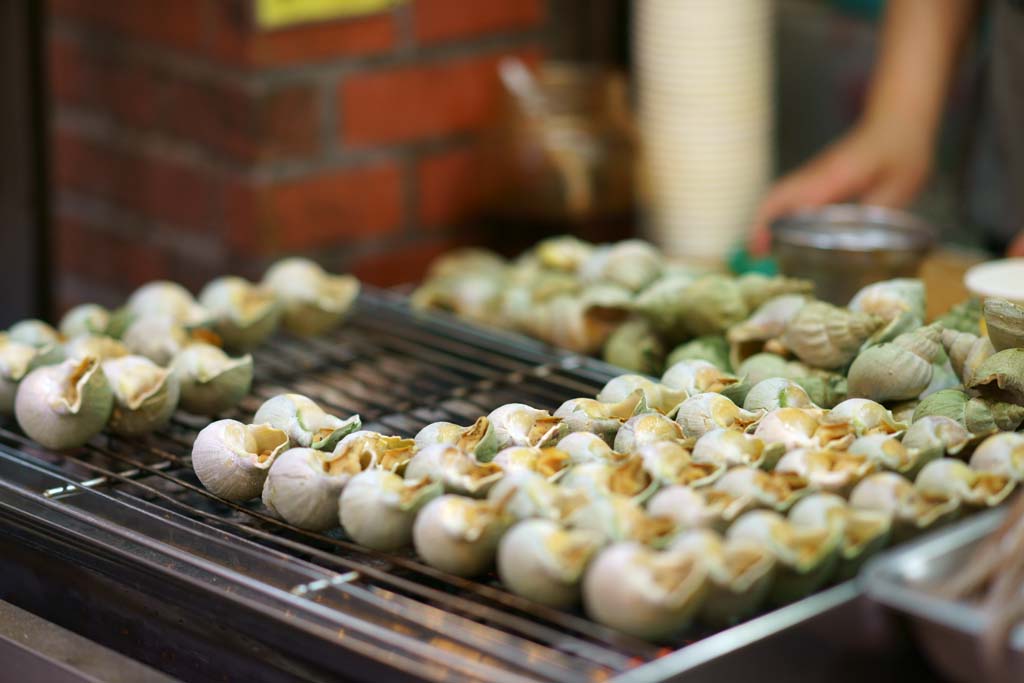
526,494
543,562
305,422
950,478
777,392
657,396
867,417
459,535
669,463
791,427
303,486
644,429
693,376
211,381
729,447
777,491
34,333
517,424
231,459
64,405
85,319
548,462
826,470
696,509
391,453
937,433
1001,454
702,413
102,347
886,450
643,592
145,394
313,300
378,508
17,359
584,447
619,518
157,337
163,298
457,470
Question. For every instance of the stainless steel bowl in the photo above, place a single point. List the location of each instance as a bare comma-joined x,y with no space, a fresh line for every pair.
843,247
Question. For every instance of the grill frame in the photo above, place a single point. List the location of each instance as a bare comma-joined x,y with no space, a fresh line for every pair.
306,598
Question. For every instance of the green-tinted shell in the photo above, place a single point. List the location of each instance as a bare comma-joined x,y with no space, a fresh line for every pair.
681,308
978,415
767,322
712,348
211,382
632,264
826,389
635,346
890,299
825,336
563,252
464,260
964,317
1001,377
966,352
898,370
1004,322
757,289
34,333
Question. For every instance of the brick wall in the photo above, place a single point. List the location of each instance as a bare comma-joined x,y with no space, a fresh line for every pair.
188,143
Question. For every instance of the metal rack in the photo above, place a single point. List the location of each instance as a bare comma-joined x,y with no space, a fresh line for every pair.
133,511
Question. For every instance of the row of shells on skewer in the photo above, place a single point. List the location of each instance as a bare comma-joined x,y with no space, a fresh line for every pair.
129,369
712,506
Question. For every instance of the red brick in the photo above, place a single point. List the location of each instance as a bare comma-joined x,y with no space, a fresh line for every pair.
449,187
400,265
157,188
406,103
237,40
103,257
440,20
174,23
322,210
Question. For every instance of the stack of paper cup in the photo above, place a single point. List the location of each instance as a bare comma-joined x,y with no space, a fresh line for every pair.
704,76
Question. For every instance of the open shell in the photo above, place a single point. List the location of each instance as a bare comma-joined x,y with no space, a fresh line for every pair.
93,319
244,314
582,322
741,572
479,438
950,478
377,508
517,424
211,381
730,448
864,531
17,359
459,535
712,348
657,396
157,337
935,435
912,510
826,336
866,417
632,264
669,463
303,485
550,463
628,479
64,405
1004,323
306,423
619,518
313,300
699,508
777,392
390,453
584,447
807,555
696,377
527,494
543,562
34,333
1001,377
1001,454
888,453
145,394
458,471
702,413
102,347
827,470
757,289
644,429
603,419
231,459
777,491
643,592
802,428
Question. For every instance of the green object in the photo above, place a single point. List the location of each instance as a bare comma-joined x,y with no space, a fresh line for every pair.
742,261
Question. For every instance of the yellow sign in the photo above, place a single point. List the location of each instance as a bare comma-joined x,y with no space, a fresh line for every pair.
279,13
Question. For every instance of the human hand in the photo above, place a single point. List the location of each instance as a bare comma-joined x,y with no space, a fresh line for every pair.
1017,245
877,164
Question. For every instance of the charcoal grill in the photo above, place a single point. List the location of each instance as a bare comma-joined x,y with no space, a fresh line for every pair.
119,541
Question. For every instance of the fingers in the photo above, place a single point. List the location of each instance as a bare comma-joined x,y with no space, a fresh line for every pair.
897,186
1016,246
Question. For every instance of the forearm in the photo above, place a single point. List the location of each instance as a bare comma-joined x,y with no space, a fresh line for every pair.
920,45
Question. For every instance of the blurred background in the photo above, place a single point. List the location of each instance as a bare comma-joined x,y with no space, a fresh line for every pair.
184,139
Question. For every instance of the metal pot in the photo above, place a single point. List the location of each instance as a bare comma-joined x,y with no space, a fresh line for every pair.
844,247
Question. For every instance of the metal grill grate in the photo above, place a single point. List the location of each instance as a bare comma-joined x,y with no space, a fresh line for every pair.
399,375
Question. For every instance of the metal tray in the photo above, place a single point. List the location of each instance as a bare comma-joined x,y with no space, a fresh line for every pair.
948,631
